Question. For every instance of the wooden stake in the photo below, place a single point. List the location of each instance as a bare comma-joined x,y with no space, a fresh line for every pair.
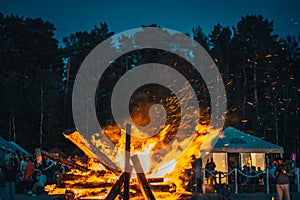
116,188
145,187
127,163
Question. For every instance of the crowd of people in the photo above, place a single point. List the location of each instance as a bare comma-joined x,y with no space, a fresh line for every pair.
251,175
20,173
281,174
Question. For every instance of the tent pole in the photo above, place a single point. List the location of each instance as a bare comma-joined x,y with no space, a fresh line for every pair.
226,161
298,180
203,180
14,126
241,160
235,181
267,180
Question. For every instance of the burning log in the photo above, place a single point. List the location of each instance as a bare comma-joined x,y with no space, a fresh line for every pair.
163,187
88,180
64,162
92,152
145,188
127,163
116,189
155,180
89,185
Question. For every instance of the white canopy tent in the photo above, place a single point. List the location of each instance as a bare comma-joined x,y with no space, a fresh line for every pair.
6,146
248,149
236,141
12,147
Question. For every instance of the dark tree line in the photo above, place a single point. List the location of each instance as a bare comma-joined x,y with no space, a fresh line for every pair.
30,72
259,68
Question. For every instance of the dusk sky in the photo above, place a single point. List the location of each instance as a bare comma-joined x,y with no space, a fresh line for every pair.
70,16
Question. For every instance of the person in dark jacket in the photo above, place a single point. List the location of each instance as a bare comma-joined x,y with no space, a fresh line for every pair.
10,179
225,193
282,180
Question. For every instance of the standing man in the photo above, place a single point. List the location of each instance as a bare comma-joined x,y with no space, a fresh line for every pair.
29,169
212,169
282,180
10,179
199,176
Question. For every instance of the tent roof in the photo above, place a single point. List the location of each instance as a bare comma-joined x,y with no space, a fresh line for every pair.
11,146
232,140
5,145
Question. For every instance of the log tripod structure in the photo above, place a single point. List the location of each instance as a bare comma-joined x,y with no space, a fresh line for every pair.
124,179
